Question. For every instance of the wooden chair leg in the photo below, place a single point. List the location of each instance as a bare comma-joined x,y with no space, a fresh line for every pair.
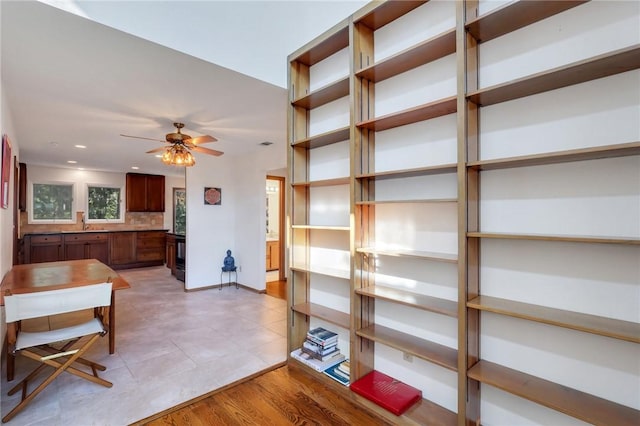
60,367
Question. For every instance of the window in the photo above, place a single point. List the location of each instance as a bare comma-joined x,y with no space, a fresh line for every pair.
103,203
179,211
52,201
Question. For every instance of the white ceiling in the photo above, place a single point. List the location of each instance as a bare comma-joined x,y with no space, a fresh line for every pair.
69,80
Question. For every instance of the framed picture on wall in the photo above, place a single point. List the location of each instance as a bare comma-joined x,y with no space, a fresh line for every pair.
6,171
212,196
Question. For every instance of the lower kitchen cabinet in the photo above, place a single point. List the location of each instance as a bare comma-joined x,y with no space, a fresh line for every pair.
87,246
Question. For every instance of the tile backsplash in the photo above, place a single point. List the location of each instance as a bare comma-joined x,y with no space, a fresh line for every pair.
133,221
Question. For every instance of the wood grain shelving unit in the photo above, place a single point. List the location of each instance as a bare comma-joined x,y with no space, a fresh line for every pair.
371,177
310,232
500,23
438,354
414,300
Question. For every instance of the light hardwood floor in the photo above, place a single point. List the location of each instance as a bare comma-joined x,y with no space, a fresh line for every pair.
285,396
171,346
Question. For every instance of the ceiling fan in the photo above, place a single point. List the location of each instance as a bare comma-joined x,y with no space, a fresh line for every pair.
177,153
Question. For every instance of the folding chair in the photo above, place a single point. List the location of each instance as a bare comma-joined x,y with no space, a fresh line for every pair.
37,345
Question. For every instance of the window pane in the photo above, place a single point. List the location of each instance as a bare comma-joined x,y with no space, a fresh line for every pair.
180,211
52,201
104,203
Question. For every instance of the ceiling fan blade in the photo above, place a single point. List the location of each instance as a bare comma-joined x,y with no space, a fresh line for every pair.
140,137
162,148
202,139
203,150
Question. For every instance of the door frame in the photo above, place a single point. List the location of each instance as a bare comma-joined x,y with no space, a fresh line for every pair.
281,215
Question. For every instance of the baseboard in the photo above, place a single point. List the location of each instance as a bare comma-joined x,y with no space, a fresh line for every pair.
226,285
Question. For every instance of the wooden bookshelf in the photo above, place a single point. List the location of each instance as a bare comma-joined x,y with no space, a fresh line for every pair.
324,46
424,112
604,65
515,15
323,270
422,201
556,238
427,255
414,300
329,315
323,182
407,173
429,50
324,95
608,327
322,227
436,353
580,405
323,139
376,16
572,155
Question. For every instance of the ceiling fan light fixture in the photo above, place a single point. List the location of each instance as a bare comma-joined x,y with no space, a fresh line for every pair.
177,155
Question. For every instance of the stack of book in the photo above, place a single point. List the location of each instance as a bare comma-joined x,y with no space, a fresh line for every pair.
319,350
340,372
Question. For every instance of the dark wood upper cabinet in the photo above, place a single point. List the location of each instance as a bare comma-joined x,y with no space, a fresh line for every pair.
145,193
22,187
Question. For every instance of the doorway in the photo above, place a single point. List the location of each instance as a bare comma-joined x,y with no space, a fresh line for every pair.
275,233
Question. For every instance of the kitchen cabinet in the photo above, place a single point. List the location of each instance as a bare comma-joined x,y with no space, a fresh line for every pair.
122,248
87,246
145,193
170,253
150,246
43,248
273,255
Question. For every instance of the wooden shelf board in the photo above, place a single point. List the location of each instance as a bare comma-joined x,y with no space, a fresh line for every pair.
322,227
514,16
617,329
323,139
387,12
572,402
582,154
329,315
324,182
330,272
407,173
429,50
428,111
325,48
605,65
439,257
324,95
424,412
429,351
560,238
423,201
415,300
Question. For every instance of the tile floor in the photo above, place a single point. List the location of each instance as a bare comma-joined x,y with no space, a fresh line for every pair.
171,346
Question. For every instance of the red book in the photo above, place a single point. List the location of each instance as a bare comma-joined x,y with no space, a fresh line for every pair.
387,392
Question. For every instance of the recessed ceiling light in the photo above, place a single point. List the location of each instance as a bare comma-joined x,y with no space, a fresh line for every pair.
80,168
80,146
135,167
158,156
71,161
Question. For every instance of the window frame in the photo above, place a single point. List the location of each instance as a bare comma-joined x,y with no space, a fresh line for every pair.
33,220
120,203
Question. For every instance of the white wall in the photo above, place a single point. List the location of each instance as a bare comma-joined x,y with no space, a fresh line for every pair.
6,215
238,224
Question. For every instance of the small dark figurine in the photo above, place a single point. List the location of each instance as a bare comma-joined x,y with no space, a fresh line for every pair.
229,263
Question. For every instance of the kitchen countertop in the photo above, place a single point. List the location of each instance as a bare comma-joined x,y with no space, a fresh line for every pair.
91,231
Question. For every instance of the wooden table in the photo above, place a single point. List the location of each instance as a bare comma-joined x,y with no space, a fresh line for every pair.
35,277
